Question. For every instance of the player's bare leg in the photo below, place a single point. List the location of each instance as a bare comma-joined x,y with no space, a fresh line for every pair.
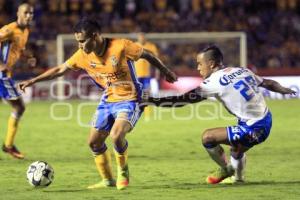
13,122
211,140
102,158
238,162
118,133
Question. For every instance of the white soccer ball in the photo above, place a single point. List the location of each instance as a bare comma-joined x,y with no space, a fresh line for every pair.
40,174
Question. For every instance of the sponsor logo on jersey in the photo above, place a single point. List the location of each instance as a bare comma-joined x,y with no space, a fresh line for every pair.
227,79
120,74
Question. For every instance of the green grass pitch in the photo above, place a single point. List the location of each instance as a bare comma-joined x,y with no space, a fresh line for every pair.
166,158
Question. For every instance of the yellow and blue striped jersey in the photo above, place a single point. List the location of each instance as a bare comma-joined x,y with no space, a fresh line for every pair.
13,40
142,66
114,71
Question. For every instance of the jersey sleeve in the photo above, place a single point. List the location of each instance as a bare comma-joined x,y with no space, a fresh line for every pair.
209,88
5,33
75,61
258,79
132,50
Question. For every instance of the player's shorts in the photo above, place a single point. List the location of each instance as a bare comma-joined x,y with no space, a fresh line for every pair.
145,81
249,136
8,89
107,113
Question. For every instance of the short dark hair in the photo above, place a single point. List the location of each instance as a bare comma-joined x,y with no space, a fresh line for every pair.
87,24
213,53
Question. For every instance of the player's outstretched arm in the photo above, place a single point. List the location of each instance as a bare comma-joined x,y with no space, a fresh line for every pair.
50,74
192,96
276,87
155,61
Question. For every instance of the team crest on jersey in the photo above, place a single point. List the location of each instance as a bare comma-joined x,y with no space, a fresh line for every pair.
114,61
94,64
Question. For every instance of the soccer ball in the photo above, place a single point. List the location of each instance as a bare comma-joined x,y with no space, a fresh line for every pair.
40,174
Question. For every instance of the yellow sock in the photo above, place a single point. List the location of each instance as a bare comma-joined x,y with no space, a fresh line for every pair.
103,163
121,159
11,130
147,112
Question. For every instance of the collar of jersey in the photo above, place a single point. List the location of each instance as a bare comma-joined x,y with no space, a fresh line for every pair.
105,41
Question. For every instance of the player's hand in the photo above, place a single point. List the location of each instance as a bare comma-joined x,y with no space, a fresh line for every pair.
289,91
25,84
31,61
171,77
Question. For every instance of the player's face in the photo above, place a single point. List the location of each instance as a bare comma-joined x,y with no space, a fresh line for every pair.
25,15
204,66
85,42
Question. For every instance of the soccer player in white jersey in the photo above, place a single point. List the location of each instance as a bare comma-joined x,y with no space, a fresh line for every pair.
237,89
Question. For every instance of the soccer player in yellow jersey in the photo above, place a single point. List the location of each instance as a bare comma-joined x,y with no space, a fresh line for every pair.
143,67
109,62
13,38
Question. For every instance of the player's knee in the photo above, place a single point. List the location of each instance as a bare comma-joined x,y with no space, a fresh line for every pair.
95,146
91,144
98,148
96,142
208,138
19,110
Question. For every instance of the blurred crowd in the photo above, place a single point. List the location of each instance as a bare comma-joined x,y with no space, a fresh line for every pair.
272,26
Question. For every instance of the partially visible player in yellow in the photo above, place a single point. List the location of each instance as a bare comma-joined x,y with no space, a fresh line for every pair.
13,38
143,67
109,63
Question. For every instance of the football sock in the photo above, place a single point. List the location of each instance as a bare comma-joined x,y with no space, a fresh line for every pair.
103,163
12,127
147,112
239,164
217,154
121,155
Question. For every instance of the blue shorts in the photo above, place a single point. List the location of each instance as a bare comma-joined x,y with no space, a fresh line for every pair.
249,136
145,81
8,89
107,113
